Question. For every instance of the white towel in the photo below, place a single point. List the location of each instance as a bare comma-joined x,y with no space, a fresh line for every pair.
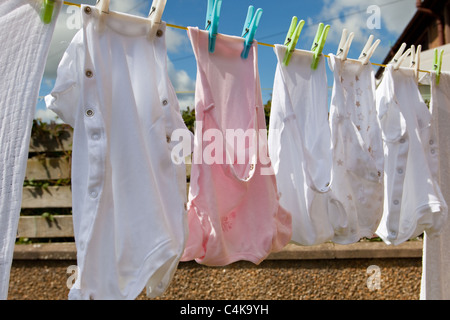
25,42
436,255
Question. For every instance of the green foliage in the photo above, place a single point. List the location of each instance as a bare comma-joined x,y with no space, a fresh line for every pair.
267,108
189,118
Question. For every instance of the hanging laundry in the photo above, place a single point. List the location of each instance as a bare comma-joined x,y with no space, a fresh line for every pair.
413,202
129,197
358,155
300,147
25,47
435,284
233,213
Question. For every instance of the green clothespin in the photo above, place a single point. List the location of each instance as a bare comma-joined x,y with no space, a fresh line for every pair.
47,11
292,38
438,64
319,43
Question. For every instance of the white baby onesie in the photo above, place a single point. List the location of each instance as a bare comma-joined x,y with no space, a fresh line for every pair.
413,200
300,147
129,196
358,157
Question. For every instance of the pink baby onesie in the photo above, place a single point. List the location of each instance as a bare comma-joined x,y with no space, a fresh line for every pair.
233,211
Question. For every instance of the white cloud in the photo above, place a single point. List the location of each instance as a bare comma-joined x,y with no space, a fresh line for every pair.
353,15
46,115
183,84
176,40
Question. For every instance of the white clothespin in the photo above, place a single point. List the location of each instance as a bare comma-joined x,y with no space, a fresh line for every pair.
344,45
400,56
368,50
103,6
155,15
415,59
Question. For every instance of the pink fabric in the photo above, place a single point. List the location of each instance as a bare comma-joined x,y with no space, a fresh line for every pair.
233,212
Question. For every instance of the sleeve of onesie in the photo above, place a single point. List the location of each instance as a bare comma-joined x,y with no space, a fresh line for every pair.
63,99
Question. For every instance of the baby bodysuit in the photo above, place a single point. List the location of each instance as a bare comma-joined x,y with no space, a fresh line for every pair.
300,147
234,212
129,212
413,199
358,156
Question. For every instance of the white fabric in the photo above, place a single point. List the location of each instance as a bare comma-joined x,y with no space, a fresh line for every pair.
358,156
300,147
435,283
129,197
25,42
413,200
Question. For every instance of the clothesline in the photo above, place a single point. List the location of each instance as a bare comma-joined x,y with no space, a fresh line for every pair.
259,43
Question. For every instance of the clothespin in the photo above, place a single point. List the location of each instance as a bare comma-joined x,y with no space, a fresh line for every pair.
319,43
438,57
103,6
250,26
415,59
400,56
344,45
292,38
47,11
155,14
212,21
368,50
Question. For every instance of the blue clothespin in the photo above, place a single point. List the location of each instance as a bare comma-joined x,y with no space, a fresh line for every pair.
319,43
250,26
212,21
47,11
438,64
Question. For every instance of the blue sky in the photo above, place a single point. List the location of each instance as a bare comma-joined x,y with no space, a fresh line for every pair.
275,21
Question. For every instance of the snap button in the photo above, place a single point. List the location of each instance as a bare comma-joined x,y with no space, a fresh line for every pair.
402,140
431,142
159,33
89,73
433,151
396,202
400,171
95,136
165,102
90,112
87,10
93,194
